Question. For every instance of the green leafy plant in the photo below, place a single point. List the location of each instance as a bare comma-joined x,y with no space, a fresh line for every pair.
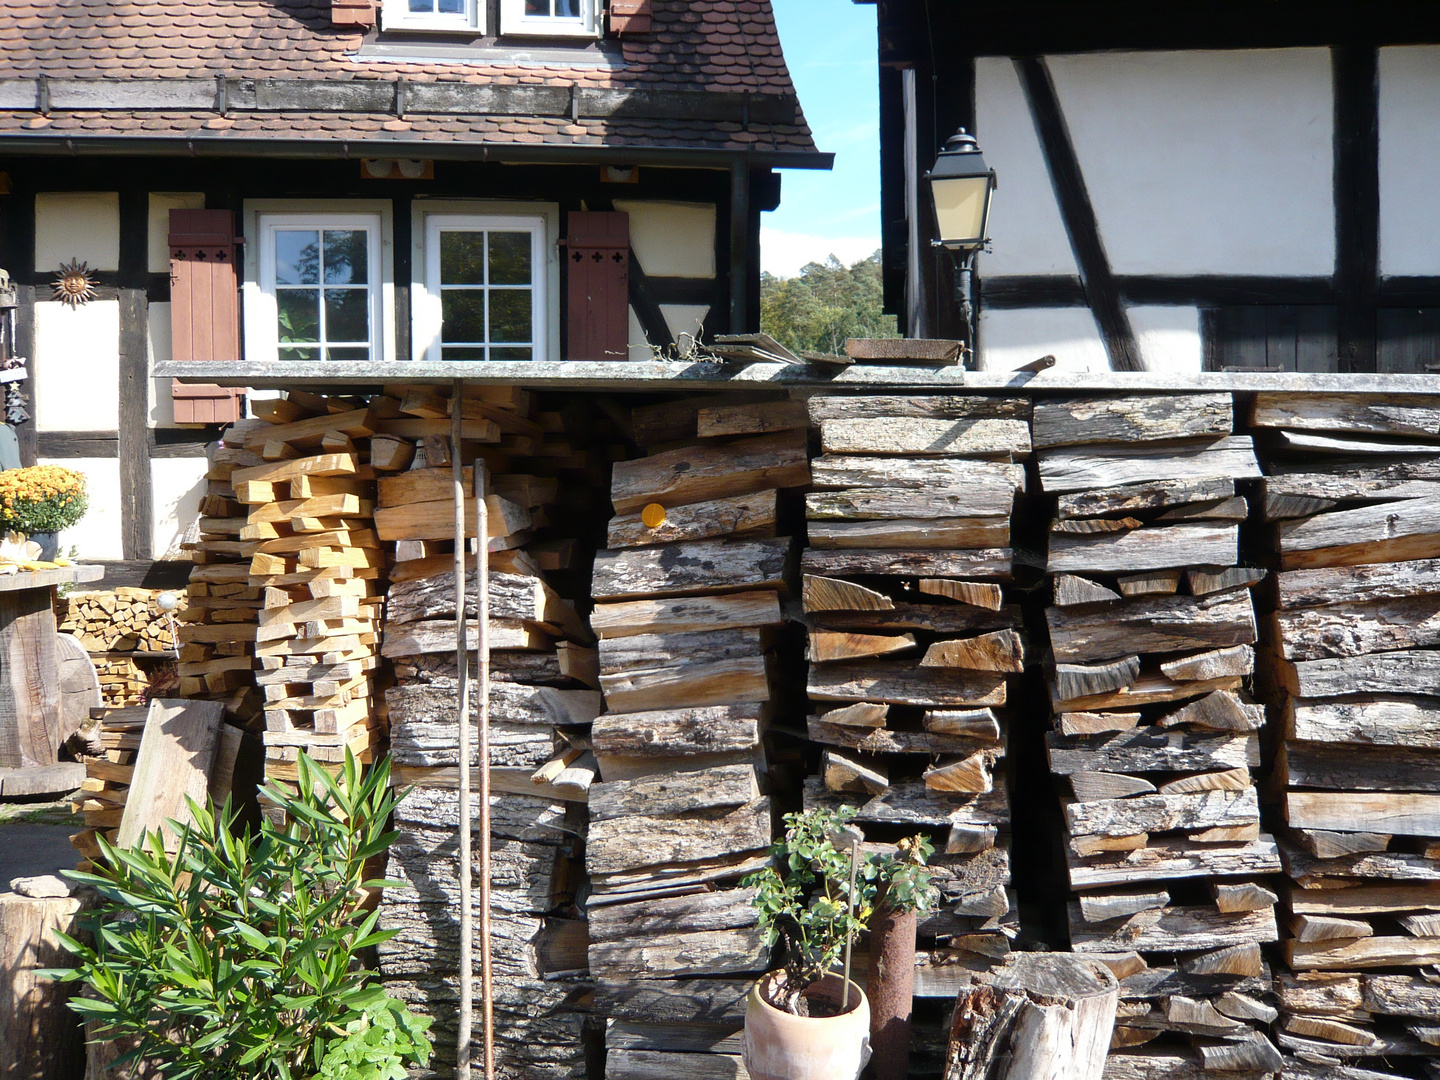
903,880
809,905
235,957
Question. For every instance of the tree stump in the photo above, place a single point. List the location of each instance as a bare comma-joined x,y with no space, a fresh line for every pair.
1039,1016
40,1037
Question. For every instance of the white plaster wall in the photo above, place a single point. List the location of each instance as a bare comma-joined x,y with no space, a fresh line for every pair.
176,485
97,534
1409,160
672,239
1025,224
77,360
1205,162
1169,338
639,350
82,225
157,324
157,251
684,318
1010,338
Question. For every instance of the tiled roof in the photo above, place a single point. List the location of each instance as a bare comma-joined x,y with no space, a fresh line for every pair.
695,45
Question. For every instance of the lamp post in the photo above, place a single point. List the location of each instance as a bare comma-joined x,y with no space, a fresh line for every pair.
961,186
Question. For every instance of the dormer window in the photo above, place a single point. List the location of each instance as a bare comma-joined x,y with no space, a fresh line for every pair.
461,16
550,18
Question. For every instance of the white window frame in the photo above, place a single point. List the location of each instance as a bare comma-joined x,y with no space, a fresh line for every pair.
429,218
262,217
513,20
396,15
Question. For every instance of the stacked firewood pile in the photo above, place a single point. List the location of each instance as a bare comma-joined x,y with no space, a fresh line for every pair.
913,642
314,557
130,639
218,619
1353,488
542,700
1151,631
687,608
113,739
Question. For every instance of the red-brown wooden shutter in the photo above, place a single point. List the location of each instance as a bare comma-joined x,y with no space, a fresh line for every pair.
630,16
598,290
204,320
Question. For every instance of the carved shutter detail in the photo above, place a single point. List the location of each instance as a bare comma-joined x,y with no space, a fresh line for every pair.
204,320
597,261
630,16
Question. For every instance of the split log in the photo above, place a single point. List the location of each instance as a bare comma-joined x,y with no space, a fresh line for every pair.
1231,457
726,909
1173,929
1150,750
756,418
40,1037
1168,859
1350,629
730,785
884,741
825,407
1154,548
696,952
1070,681
1358,584
843,773
1352,768
914,534
1373,952
1069,591
863,714
992,563
1330,845
1162,813
1236,509
834,594
974,593
1003,650
1038,1016
1390,532
1390,414
1147,690
830,645
627,843
1089,420
1392,721
686,614
1237,779
1151,624
1093,723
1343,811
936,618
717,729
1325,928
898,684
1246,896
1146,495
913,804
951,476
704,473
1150,583
664,671
1209,582
1103,908
1218,711
702,566
975,723
1305,868
1216,664
975,500
982,438
737,517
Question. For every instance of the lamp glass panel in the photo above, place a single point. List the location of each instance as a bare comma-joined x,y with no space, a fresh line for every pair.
961,204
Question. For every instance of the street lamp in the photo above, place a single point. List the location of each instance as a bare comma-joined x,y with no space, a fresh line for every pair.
961,185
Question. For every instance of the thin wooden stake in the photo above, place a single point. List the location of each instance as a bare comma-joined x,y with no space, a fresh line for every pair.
462,720
482,528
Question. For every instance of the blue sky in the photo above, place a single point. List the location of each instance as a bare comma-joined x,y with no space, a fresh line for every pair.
830,48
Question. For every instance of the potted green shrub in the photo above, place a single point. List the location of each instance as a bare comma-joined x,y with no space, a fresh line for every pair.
801,1022
237,957
38,502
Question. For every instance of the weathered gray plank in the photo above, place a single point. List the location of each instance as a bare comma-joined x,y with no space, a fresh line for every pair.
1106,419
649,840
991,564
1067,470
1151,624
1162,813
702,566
1153,548
1150,750
994,438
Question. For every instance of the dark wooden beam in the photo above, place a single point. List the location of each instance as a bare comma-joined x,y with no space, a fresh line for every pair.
1356,71
647,307
893,226
739,269
1400,292
1032,290
25,346
146,574
1076,211
136,500
78,444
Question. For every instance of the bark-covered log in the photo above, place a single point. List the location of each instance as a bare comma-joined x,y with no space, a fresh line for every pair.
686,614
1039,1016
716,729
927,406
738,517
1173,929
1409,672
510,703
1146,495
1389,721
1150,749
1407,415
1355,768
701,566
690,952
729,785
648,840
832,472
727,909
695,474
666,671
1163,813
914,534
974,500
1088,420
935,618
1154,548
901,684
1007,440
1151,624
1083,468
990,563
1390,532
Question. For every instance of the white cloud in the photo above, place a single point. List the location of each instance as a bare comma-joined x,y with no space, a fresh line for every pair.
784,253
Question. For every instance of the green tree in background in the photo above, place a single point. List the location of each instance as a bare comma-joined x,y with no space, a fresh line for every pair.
827,303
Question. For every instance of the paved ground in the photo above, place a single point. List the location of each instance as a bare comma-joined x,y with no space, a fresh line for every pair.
31,848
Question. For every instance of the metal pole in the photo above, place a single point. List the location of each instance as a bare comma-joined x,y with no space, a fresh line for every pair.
462,721
482,520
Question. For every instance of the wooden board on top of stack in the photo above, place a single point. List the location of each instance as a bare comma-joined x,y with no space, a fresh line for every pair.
543,698
914,642
689,596
1151,631
1348,660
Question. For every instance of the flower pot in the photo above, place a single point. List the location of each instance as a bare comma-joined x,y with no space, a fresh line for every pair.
49,544
781,1046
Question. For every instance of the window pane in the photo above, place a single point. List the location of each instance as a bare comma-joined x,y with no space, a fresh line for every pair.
509,258
345,257
510,353
347,315
310,353
463,315
451,7
420,7
537,7
462,258
297,257
568,8
510,315
298,314
463,352
347,354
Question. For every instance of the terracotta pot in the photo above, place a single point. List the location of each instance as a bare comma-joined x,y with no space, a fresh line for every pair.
781,1046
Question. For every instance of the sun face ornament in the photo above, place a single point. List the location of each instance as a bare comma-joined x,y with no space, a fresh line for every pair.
73,284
